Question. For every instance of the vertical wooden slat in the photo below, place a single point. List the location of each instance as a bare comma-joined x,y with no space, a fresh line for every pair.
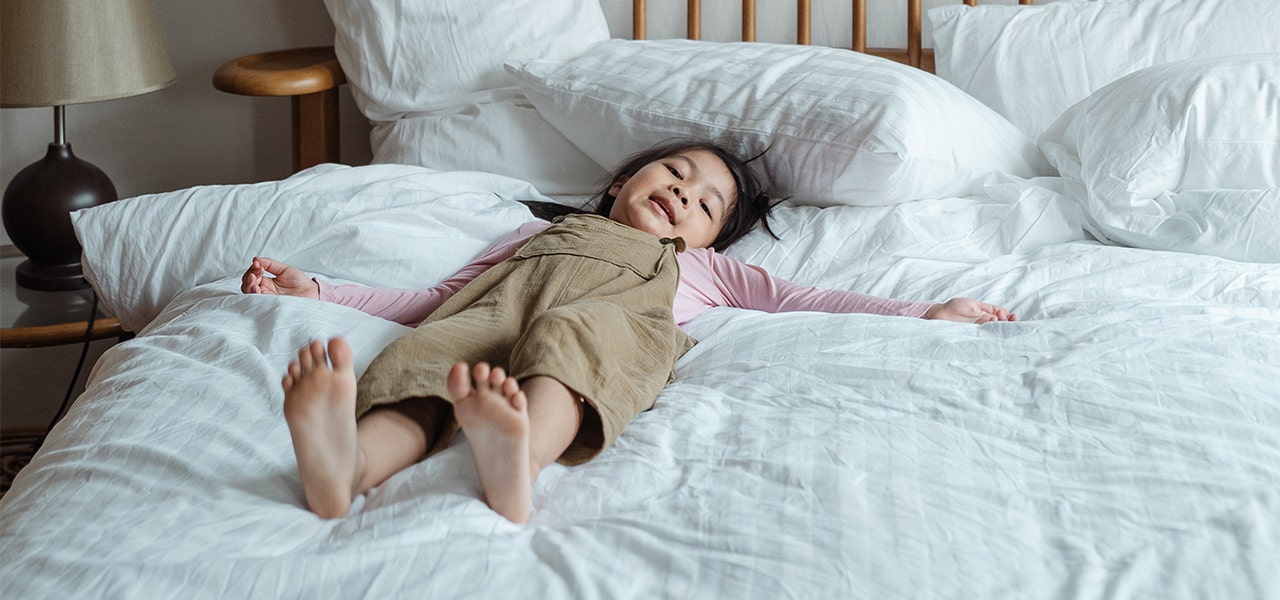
748,20
804,27
694,23
913,32
639,18
971,2
1024,2
860,25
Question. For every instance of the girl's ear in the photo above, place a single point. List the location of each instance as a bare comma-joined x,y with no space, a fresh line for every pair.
617,185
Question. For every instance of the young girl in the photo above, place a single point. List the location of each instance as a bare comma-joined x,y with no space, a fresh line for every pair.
548,344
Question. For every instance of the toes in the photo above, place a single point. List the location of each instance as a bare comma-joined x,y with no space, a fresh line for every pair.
480,374
340,354
311,356
295,370
519,401
458,383
497,377
287,383
304,361
319,356
510,387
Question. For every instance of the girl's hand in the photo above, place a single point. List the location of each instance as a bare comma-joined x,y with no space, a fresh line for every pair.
968,310
285,280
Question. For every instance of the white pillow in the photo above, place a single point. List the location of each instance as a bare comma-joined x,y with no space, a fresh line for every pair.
507,137
841,127
405,56
388,225
440,61
1182,156
1030,63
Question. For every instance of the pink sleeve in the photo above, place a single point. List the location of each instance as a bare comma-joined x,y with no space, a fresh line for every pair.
749,286
411,307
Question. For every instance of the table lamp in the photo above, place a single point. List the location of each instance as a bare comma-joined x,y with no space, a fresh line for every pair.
55,53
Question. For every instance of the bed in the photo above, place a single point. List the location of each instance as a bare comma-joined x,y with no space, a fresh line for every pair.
1120,440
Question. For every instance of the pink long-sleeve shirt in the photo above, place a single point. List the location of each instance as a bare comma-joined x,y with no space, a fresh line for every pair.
707,280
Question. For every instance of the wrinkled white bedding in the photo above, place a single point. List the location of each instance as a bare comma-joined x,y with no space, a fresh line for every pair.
1122,440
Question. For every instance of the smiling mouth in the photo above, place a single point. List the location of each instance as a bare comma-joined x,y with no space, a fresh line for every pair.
671,218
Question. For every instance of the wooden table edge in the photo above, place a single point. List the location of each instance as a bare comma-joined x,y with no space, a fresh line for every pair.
60,334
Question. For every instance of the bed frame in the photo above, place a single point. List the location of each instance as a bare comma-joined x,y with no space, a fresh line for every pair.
312,76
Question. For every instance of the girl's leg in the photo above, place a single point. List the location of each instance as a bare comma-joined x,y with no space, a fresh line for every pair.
389,441
514,431
339,458
555,416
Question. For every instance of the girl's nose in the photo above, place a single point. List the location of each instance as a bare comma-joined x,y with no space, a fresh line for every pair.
676,191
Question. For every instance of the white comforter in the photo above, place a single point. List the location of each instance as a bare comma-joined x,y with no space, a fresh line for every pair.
1122,440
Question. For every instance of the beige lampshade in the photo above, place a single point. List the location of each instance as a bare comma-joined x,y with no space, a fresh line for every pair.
57,52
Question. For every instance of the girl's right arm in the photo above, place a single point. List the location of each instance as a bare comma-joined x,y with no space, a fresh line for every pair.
284,280
407,307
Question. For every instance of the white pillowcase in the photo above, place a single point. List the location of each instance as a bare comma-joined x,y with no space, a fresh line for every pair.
841,127
1030,63
406,56
1183,156
389,225
508,137
439,62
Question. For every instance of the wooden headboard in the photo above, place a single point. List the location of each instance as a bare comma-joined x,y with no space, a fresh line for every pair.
914,54
312,76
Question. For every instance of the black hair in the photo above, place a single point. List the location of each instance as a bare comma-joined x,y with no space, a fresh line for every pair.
752,203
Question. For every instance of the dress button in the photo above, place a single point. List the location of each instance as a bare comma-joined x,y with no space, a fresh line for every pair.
679,242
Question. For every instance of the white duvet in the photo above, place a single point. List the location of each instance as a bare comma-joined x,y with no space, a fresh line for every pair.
1121,440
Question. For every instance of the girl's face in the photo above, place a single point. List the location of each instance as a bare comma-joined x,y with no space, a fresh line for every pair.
686,195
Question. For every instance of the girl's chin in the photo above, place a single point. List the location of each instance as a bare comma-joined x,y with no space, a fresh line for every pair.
651,225
649,230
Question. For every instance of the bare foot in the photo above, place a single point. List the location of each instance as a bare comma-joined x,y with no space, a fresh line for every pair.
319,405
494,414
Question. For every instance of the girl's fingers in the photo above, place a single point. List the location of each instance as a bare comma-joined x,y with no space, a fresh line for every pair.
272,267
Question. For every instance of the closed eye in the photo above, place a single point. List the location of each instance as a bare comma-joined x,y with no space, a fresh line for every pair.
706,209
675,171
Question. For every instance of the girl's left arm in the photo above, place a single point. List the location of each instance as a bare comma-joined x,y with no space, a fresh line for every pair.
968,310
749,286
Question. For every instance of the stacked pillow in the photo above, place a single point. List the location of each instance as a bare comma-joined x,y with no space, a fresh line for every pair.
429,76
1163,111
1183,156
840,127
1030,63
836,127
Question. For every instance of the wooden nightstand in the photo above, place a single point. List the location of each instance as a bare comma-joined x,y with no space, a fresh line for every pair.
35,380
311,77
35,319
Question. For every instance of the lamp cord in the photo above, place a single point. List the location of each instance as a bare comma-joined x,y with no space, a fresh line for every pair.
84,353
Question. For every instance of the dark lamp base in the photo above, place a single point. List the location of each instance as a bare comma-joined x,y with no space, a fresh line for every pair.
50,278
37,211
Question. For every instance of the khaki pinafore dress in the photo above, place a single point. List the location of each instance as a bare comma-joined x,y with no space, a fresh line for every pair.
586,301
